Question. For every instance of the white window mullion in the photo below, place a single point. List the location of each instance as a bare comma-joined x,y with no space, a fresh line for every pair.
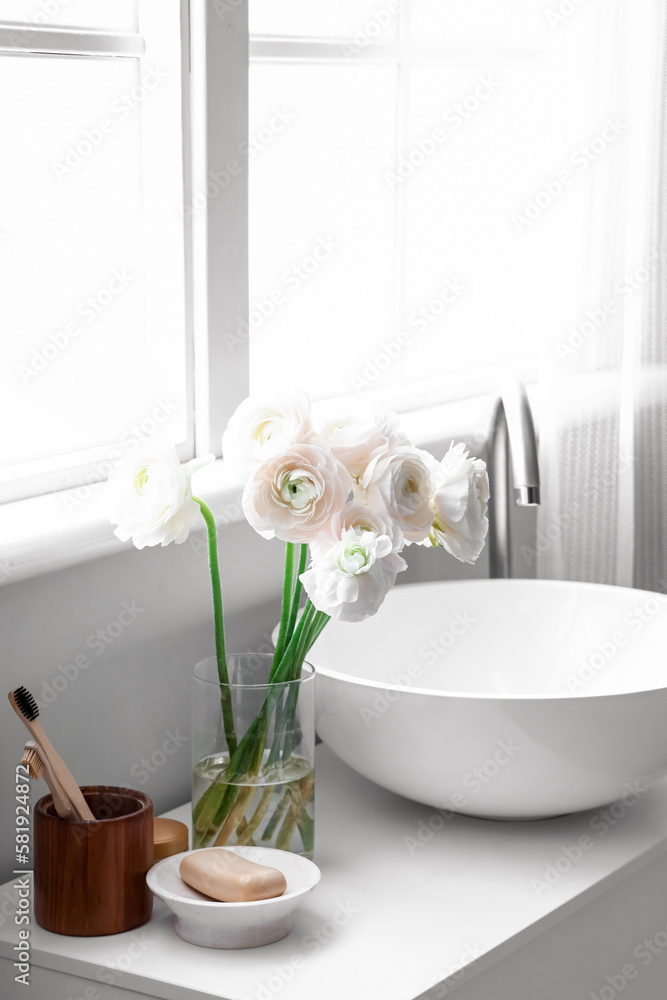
26,40
284,49
218,215
316,50
401,191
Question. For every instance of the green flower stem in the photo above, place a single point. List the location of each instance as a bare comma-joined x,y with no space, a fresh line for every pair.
246,760
304,822
286,608
298,587
289,669
246,836
278,729
304,641
287,720
286,830
288,725
270,827
247,757
204,799
236,815
307,829
284,725
320,619
221,798
218,619
283,672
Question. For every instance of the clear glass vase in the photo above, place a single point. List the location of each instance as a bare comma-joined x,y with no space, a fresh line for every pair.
253,756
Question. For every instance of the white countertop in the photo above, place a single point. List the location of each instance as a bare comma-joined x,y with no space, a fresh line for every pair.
394,914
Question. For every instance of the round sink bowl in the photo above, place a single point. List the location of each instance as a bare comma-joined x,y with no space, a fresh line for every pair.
504,699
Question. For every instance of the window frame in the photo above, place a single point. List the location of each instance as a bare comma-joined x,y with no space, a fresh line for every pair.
218,220
86,467
39,534
217,51
402,52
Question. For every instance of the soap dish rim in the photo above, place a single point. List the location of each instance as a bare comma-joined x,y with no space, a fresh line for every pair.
160,891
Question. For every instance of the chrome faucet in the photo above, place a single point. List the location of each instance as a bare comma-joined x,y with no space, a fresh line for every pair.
512,434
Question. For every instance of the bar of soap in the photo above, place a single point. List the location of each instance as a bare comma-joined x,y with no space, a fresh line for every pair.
229,878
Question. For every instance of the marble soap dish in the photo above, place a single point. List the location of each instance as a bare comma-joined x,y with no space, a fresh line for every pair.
210,924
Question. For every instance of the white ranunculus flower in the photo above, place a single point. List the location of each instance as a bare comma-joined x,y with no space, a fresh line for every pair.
149,496
460,501
260,429
363,431
362,518
351,579
400,483
294,495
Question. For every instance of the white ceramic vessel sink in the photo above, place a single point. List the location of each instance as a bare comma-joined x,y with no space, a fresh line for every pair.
506,699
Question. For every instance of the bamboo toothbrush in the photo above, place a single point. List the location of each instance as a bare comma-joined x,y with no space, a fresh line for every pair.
26,708
39,766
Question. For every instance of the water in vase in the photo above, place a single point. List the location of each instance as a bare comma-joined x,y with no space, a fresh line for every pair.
275,808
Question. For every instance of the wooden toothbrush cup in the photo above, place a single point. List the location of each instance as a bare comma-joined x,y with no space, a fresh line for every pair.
90,877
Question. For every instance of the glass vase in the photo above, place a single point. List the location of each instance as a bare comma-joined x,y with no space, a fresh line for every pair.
253,756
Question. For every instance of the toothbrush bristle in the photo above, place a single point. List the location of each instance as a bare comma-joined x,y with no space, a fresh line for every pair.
34,763
26,703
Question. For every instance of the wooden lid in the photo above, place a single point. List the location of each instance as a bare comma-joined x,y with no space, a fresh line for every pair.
169,837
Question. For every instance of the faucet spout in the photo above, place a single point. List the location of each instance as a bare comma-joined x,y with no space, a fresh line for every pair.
512,445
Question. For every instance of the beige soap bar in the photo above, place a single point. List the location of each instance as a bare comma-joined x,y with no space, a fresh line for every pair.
226,876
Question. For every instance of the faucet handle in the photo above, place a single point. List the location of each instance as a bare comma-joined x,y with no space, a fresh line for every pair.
527,496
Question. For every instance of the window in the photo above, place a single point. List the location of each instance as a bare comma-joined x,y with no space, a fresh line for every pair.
400,156
96,349
372,210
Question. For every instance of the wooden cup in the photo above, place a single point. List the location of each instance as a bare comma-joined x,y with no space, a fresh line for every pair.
90,877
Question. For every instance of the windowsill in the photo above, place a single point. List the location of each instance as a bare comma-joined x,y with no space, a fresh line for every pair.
56,530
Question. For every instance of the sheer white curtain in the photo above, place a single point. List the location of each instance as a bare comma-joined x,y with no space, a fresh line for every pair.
604,392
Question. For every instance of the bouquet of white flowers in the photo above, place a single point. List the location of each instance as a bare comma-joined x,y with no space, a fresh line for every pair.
350,493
